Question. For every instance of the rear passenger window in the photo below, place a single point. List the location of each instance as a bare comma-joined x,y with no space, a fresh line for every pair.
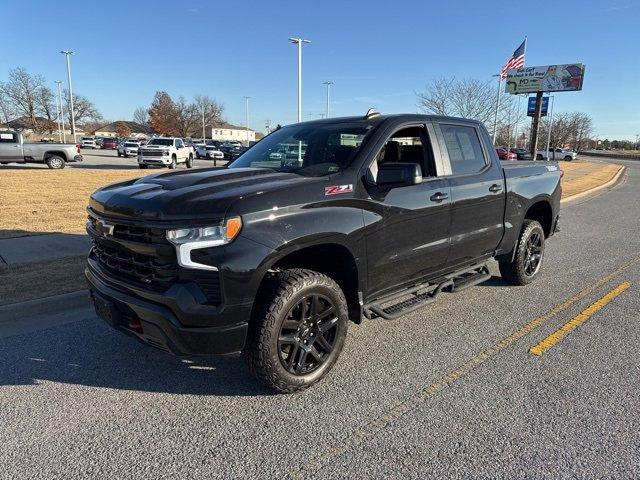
8,137
463,146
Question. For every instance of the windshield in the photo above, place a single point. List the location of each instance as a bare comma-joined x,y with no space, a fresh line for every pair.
165,142
309,150
130,144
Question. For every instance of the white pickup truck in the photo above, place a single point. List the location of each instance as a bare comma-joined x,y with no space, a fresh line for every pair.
165,152
556,154
55,155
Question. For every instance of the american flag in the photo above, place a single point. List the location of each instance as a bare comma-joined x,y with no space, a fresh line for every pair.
514,61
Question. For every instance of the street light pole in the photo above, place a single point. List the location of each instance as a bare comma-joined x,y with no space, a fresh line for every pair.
68,54
64,135
203,132
299,42
495,118
58,119
550,125
328,83
246,116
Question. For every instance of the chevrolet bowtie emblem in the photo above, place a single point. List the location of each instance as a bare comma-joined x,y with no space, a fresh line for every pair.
104,228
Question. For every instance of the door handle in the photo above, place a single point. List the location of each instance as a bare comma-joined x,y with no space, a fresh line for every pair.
495,188
439,196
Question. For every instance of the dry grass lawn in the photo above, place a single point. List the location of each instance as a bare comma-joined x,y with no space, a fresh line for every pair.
27,281
581,176
36,201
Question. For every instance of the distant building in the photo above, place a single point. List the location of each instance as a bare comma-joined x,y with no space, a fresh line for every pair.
123,128
226,132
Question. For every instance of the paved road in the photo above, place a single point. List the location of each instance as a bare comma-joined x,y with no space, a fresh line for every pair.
103,159
450,391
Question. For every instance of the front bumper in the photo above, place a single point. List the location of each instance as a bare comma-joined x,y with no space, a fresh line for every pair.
154,318
164,160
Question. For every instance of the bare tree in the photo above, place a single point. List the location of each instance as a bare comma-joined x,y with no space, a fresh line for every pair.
6,107
569,130
21,92
468,98
45,101
186,118
141,116
212,109
84,110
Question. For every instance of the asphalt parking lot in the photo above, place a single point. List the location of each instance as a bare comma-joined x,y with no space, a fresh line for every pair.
450,391
108,159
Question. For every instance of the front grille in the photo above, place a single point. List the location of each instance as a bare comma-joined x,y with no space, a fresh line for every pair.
133,233
151,153
145,270
156,272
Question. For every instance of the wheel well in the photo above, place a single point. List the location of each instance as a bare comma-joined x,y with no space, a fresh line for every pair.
55,154
541,212
335,261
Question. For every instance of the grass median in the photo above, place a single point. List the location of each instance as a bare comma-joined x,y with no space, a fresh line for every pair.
36,201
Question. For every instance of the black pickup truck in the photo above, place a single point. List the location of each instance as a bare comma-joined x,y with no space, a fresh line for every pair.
273,257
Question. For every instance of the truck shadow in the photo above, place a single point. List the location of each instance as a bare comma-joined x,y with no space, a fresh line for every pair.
88,353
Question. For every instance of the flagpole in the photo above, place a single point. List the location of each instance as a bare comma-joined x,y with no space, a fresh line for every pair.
495,119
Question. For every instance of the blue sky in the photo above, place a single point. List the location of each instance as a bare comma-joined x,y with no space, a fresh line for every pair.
377,53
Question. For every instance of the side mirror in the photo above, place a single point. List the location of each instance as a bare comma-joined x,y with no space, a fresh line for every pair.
399,175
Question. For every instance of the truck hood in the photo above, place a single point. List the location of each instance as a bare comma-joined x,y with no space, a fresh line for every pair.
188,196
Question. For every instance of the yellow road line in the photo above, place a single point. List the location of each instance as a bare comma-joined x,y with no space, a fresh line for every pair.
370,429
578,320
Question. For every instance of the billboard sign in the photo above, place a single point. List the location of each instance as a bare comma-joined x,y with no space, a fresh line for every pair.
548,78
531,107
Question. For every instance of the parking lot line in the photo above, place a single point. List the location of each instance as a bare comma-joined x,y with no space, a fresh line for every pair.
578,320
421,396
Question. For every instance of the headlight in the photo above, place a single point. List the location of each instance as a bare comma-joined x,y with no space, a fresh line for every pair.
188,239
165,152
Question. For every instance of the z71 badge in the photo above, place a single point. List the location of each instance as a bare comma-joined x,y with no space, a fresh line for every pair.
336,189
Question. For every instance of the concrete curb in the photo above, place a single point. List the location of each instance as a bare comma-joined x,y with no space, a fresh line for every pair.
610,183
49,305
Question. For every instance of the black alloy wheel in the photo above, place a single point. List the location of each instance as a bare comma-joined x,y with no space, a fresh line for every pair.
533,254
308,334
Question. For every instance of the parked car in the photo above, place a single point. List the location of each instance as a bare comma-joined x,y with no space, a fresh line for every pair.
165,151
211,152
88,142
522,153
275,261
55,155
504,154
110,144
199,147
128,149
556,154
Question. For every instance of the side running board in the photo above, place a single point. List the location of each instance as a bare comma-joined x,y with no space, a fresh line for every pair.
454,282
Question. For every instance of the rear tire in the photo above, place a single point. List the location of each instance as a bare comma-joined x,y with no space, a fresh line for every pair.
55,162
297,330
538,157
527,262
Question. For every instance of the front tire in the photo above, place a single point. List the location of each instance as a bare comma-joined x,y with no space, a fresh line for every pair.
174,163
568,158
142,167
529,255
55,162
297,330
190,161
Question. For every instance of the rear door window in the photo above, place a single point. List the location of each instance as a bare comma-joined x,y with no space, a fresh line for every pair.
8,137
464,148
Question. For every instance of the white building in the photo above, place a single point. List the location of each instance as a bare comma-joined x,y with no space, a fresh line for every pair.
225,132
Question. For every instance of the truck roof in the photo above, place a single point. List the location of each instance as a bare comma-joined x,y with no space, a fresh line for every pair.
400,117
